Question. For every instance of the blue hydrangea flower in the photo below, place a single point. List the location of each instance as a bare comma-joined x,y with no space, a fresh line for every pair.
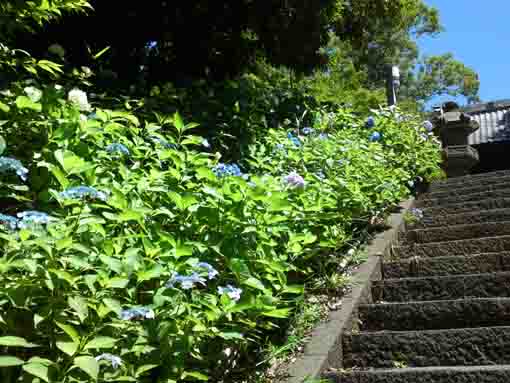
374,137
231,291
187,282
118,148
307,131
9,221
295,180
137,313
12,164
206,144
418,213
280,147
429,127
32,217
151,45
323,136
116,361
225,170
211,271
82,192
296,141
290,135
163,142
370,123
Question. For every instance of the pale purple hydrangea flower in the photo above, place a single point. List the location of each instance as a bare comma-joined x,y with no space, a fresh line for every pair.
187,282
82,192
118,148
12,164
137,313
211,271
231,291
295,180
116,361
429,127
9,221
418,213
31,217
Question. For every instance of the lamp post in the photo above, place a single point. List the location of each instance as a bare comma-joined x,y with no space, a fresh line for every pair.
392,84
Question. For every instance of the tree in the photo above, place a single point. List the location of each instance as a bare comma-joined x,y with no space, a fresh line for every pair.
439,75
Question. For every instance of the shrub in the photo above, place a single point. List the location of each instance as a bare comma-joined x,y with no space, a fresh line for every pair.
136,255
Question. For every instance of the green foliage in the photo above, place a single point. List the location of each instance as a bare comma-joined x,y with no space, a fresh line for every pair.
25,15
438,75
160,204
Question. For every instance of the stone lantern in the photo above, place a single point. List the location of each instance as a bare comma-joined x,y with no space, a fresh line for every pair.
454,128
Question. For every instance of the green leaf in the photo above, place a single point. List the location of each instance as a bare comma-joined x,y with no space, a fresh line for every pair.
101,52
255,283
23,102
68,348
4,107
113,305
101,342
69,330
3,145
8,361
117,283
146,367
279,313
79,305
178,123
15,341
39,370
195,375
88,364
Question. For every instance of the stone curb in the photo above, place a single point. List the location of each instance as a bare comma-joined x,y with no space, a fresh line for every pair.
324,349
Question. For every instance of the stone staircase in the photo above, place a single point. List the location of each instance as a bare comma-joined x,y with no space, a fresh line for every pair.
441,313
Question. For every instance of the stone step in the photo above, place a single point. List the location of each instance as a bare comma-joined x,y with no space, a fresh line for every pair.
451,374
469,183
465,207
472,197
458,191
467,347
471,178
453,248
435,315
494,215
442,266
455,232
489,285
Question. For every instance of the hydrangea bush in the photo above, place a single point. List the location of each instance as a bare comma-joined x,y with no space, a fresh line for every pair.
136,255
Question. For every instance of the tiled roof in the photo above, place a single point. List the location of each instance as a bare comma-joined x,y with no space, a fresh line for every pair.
494,120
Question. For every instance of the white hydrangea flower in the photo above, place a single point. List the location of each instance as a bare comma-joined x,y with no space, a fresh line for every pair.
33,93
57,49
79,98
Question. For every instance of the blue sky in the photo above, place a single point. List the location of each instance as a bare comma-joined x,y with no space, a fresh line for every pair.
478,34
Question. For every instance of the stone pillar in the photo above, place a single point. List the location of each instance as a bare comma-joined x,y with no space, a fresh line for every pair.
454,129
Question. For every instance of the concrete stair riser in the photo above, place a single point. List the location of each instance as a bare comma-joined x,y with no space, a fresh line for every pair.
442,266
472,178
468,347
476,374
453,192
465,207
457,232
495,215
453,248
442,288
435,315
469,183
475,197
